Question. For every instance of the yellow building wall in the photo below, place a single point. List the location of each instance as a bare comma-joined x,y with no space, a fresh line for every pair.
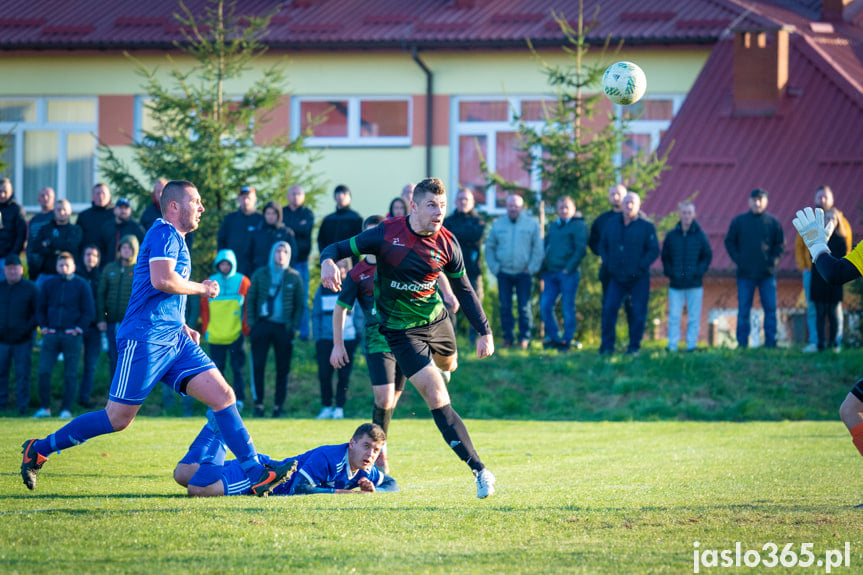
374,174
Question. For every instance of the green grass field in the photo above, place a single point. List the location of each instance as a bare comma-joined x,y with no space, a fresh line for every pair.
573,497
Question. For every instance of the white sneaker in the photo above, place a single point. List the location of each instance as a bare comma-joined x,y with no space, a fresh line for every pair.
811,348
42,412
326,413
338,413
837,349
65,414
484,483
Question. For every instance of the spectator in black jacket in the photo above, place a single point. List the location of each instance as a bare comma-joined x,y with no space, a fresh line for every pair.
17,327
468,227
301,220
756,242
121,225
237,228
154,211
686,255
615,198
64,308
46,200
270,231
91,272
55,237
628,247
565,247
93,218
342,224
13,222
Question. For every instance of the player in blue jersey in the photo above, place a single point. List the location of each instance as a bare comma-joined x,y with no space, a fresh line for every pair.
345,468
155,344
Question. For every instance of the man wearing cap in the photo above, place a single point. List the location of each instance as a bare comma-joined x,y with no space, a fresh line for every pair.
755,242
17,327
121,225
238,227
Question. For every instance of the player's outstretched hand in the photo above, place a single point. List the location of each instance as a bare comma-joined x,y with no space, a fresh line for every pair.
810,225
212,288
484,346
366,486
331,277
339,356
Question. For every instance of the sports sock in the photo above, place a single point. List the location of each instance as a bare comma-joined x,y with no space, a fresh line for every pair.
76,432
455,434
382,417
857,437
237,438
205,448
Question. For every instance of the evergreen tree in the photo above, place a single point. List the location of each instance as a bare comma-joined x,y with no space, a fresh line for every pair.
576,156
202,135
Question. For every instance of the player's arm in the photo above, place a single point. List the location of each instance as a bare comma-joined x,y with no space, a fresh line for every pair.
836,271
368,242
164,278
339,356
447,294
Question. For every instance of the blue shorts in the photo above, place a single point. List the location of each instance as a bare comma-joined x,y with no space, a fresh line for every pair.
141,365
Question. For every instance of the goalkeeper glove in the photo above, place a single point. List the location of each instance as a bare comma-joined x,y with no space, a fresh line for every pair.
810,226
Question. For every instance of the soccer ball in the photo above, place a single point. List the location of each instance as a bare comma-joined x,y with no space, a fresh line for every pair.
624,83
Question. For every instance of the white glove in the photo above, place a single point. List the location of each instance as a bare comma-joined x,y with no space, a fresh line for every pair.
829,228
810,226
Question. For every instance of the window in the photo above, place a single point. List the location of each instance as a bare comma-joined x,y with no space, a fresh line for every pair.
353,120
485,129
51,143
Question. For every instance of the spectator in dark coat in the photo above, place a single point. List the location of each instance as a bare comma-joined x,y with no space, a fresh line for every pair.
686,255
121,225
628,247
756,242
93,218
827,297
468,227
90,271
301,220
268,232
154,211
342,224
46,200
13,222
56,237
64,309
237,228
565,247
17,327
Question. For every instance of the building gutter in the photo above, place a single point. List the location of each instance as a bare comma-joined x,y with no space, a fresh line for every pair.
429,108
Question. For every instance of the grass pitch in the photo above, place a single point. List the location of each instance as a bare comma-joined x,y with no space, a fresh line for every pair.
605,497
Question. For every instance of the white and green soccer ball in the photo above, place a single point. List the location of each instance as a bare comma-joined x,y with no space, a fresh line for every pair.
624,83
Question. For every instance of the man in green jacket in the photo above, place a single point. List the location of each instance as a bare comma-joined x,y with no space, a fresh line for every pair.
114,291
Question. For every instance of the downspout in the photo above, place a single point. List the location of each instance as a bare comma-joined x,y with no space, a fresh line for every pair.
429,108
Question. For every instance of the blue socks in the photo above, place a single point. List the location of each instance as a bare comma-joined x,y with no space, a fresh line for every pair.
237,438
76,432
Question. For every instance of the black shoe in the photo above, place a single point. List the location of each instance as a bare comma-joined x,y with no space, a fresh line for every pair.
273,476
259,411
31,463
277,412
85,403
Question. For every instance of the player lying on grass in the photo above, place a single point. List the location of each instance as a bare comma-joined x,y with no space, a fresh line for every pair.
154,344
810,226
411,252
346,468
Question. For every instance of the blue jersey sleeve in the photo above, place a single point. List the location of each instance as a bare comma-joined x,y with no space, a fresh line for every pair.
165,245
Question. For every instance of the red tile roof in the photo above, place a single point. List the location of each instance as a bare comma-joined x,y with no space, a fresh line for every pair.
383,24
815,138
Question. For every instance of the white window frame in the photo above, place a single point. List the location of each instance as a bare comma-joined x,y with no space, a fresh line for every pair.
489,130
63,129
353,139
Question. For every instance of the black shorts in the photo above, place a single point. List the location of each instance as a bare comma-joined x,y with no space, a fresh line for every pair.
383,370
413,348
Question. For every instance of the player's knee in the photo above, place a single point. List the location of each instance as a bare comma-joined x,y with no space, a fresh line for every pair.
446,362
850,410
196,491
181,476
